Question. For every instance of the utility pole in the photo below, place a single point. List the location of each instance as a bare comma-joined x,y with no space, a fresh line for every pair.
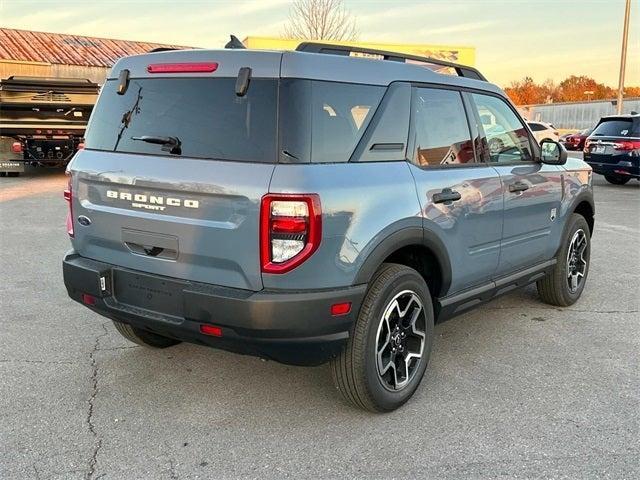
623,56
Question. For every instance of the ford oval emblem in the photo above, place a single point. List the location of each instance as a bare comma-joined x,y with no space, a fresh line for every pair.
84,220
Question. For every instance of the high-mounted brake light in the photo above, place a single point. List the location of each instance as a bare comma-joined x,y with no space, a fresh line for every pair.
198,67
68,196
290,230
16,147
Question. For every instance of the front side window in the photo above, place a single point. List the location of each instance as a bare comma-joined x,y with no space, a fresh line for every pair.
506,136
441,129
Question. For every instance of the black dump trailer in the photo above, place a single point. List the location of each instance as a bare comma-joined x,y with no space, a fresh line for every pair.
42,120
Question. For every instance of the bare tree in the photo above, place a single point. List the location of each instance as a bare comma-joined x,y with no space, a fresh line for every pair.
320,20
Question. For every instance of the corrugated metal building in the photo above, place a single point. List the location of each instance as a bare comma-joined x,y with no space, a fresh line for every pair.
576,115
56,55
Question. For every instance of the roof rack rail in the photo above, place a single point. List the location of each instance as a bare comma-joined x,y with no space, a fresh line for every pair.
346,50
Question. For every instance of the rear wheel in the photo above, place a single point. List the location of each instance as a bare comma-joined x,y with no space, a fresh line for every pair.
3,174
13,174
616,179
387,354
142,337
564,285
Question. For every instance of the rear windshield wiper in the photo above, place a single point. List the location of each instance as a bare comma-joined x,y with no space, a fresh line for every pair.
169,144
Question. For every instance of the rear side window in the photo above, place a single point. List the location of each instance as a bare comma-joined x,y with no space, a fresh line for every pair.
617,127
322,122
441,129
204,114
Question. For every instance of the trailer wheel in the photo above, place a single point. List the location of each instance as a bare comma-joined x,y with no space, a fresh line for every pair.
3,174
13,174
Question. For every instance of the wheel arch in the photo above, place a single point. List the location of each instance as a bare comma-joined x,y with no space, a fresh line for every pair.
584,206
414,247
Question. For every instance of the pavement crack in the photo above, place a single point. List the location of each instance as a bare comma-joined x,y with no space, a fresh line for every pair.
94,392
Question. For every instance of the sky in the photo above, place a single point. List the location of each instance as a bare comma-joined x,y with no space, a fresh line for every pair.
543,39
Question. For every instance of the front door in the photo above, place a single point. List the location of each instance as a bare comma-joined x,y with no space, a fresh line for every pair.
532,190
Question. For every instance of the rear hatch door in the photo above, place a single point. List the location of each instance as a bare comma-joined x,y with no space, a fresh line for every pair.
611,138
173,172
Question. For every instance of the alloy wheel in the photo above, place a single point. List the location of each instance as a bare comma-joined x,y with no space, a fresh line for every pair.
576,262
400,340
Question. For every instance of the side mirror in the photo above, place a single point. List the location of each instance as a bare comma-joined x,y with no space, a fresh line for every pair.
553,153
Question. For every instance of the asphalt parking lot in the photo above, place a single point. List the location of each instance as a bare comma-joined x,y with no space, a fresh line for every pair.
515,389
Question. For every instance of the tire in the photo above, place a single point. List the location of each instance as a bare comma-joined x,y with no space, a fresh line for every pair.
557,288
3,174
13,174
144,338
616,180
363,371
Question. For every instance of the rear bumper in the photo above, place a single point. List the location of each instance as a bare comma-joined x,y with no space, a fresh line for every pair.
290,327
626,167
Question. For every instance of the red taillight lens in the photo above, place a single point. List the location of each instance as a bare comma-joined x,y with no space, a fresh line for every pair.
290,230
627,145
16,147
211,330
68,196
196,67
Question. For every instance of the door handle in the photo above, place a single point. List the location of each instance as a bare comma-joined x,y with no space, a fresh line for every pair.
518,187
446,196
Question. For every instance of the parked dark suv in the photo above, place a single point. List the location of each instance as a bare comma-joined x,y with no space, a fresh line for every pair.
613,148
312,206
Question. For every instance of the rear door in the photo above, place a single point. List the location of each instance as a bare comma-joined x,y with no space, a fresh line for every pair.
532,190
172,175
461,199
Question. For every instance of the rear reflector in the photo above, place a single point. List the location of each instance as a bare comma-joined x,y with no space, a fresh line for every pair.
211,330
88,299
340,308
182,67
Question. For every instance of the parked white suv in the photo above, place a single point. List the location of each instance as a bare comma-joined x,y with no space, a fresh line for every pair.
542,131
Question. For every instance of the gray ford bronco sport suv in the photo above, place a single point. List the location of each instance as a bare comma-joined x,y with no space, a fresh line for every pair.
315,206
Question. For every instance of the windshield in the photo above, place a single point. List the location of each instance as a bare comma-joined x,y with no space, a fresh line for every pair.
617,127
205,115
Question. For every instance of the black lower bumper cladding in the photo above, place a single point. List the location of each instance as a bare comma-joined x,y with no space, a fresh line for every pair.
290,327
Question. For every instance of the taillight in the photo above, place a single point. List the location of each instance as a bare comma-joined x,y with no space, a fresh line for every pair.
627,145
68,196
16,147
194,67
80,146
290,230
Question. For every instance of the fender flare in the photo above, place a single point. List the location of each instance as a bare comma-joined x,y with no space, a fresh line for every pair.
404,238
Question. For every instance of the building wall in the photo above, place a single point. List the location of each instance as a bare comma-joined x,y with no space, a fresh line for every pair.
38,69
452,53
576,115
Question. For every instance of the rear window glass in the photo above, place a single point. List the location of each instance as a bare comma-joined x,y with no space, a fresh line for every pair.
204,114
617,128
322,122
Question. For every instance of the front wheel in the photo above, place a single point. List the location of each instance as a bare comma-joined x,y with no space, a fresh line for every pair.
564,285
387,354
616,179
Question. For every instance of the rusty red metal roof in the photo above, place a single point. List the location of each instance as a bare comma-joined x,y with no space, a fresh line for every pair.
58,48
